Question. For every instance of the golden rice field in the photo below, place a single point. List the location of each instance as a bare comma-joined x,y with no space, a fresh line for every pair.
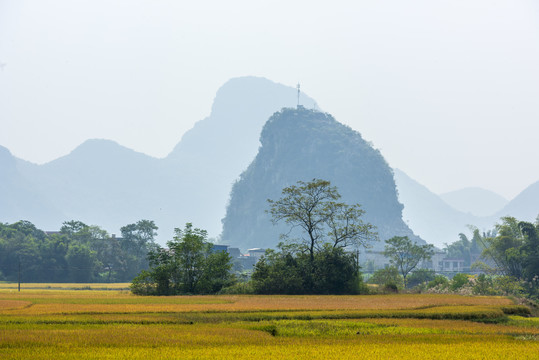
56,322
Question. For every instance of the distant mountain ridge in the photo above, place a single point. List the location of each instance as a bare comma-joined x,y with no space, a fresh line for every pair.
525,206
103,183
475,200
300,144
106,184
430,217
19,200
438,222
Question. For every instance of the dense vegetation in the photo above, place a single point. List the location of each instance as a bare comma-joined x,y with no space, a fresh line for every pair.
77,253
467,249
514,252
504,261
319,261
330,271
405,255
188,266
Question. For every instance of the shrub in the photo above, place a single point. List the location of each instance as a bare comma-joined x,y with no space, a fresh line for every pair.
508,285
363,288
458,281
420,277
439,281
143,284
389,275
330,271
483,285
390,288
245,288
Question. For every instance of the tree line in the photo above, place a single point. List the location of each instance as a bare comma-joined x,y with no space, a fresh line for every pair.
505,261
322,258
77,253
322,261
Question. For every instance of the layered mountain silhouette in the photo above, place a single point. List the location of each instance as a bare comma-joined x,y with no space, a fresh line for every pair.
525,206
201,169
301,144
439,223
19,200
429,216
100,182
475,200
104,183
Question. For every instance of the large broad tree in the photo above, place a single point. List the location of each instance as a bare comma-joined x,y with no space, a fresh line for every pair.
322,256
406,255
314,207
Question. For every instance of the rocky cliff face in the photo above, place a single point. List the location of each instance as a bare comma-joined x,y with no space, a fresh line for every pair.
301,144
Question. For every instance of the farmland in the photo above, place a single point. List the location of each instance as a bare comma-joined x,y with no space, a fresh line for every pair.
55,321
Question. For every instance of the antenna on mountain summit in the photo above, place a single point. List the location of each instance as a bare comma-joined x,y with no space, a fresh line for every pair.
298,94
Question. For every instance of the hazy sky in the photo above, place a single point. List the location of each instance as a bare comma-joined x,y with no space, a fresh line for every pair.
447,90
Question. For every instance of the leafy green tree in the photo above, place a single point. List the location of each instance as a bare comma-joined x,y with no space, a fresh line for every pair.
505,250
78,251
305,206
104,249
188,266
19,246
458,281
82,263
53,250
216,274
190,250
137,241
530,249
145,284
514,253
279,272
314,208
336,271
406,255
77,231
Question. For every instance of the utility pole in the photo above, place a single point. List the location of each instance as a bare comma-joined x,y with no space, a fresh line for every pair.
357,260
19,275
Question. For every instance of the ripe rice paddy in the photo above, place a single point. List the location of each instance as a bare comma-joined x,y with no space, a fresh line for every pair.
63,323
